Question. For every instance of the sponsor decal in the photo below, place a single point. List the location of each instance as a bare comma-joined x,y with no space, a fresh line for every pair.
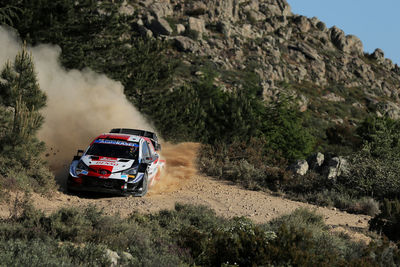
105,163
115,142
124,176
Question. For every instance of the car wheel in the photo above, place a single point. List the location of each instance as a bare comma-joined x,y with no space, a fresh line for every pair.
145,186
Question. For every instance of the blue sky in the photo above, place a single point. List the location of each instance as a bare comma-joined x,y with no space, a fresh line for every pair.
376,23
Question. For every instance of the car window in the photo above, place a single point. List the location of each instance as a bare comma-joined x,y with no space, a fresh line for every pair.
151,147
145,150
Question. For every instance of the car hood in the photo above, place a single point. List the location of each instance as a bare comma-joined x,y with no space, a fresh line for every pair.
105,165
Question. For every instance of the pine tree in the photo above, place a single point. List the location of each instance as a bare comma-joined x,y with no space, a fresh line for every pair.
19,80
20,90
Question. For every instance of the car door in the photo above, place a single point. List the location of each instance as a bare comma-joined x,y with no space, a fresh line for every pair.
150,159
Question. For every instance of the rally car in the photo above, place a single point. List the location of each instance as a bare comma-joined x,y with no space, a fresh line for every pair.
116,163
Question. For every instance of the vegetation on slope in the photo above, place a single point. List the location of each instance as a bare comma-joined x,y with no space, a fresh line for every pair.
188,235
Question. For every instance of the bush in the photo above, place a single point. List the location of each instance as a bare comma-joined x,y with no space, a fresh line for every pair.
382,135
388,221
38,252
188,235
372,176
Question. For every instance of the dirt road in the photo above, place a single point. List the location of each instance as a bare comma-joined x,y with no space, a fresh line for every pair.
181,184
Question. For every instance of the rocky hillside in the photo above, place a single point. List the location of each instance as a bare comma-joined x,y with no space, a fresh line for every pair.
291,53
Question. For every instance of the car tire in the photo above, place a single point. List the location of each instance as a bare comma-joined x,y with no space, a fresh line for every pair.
145,186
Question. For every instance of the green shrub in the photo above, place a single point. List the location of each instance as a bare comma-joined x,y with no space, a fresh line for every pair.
382,135
188,235
36,252
388,221
372,176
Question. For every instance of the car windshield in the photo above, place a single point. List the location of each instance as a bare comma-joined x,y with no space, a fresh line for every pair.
114,149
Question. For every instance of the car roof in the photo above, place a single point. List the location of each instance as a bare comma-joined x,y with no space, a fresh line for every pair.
125,137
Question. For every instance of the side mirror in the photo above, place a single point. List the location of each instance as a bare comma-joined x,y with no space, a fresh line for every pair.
79,154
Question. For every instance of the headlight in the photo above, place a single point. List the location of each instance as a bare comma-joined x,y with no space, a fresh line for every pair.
132,171
81,168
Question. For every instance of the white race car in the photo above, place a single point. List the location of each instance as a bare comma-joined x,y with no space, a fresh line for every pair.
117,163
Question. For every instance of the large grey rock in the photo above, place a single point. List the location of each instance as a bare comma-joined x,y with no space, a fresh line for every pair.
273,8
254,15
378,55
113,257
349,44
307,50
180,28
302,23
300,167
335,167
337,37
224,9
315,161
184,44
161,9
197,25
354,45
321,26
196,8
390,109
160,27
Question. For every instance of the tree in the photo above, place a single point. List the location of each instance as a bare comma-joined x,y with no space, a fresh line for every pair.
19,81
284,132
9,14
20,90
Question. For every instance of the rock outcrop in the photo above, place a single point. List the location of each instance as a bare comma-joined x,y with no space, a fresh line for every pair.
265,37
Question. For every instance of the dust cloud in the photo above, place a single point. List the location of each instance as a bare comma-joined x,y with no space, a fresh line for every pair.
180,167
82,104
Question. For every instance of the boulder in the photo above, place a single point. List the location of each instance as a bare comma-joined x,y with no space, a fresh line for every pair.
315,161
300,167
223,9
305,49
273,8
161,9
160,27
349,44
321,26
180,28
354,45
302,23
390,109
113,257
184,44
378,55
338,38
196,8
197,25
335,167
255,16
